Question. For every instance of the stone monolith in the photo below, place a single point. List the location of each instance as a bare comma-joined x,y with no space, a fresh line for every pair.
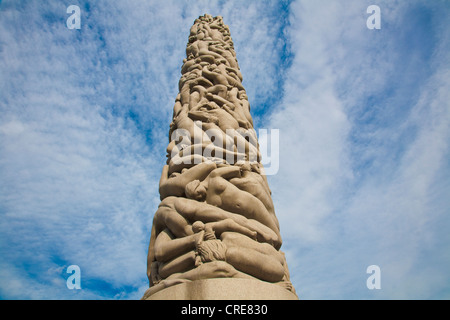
215,234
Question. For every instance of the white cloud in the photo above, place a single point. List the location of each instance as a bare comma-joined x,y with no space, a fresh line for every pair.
357,185
313,129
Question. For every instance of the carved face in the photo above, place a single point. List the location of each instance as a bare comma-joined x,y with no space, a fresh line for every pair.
200,193
200,35
195,190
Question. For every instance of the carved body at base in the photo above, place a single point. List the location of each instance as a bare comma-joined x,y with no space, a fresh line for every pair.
216,218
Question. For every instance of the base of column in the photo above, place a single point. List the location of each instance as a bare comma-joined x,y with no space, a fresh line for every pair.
224,289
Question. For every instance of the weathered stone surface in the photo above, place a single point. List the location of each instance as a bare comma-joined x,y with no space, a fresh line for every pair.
215,234
224,289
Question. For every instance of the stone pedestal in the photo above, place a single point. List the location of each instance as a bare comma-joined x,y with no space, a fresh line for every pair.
224,289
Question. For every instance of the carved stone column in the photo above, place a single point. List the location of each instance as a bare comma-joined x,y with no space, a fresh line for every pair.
215,234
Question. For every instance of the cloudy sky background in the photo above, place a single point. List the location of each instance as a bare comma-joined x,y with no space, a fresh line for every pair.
364,120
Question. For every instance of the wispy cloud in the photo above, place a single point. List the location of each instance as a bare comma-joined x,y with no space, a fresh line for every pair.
365,126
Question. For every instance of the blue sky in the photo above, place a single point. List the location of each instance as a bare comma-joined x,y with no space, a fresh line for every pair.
364,120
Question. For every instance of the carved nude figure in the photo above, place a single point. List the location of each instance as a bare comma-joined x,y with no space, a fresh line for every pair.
175,184
223,240
177,213
214,74
218,191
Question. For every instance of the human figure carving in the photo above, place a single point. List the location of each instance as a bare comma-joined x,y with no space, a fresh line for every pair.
220,123
236,245
238,98
176,214
175,184
257,259
225,53
214,74
218,191
181,120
